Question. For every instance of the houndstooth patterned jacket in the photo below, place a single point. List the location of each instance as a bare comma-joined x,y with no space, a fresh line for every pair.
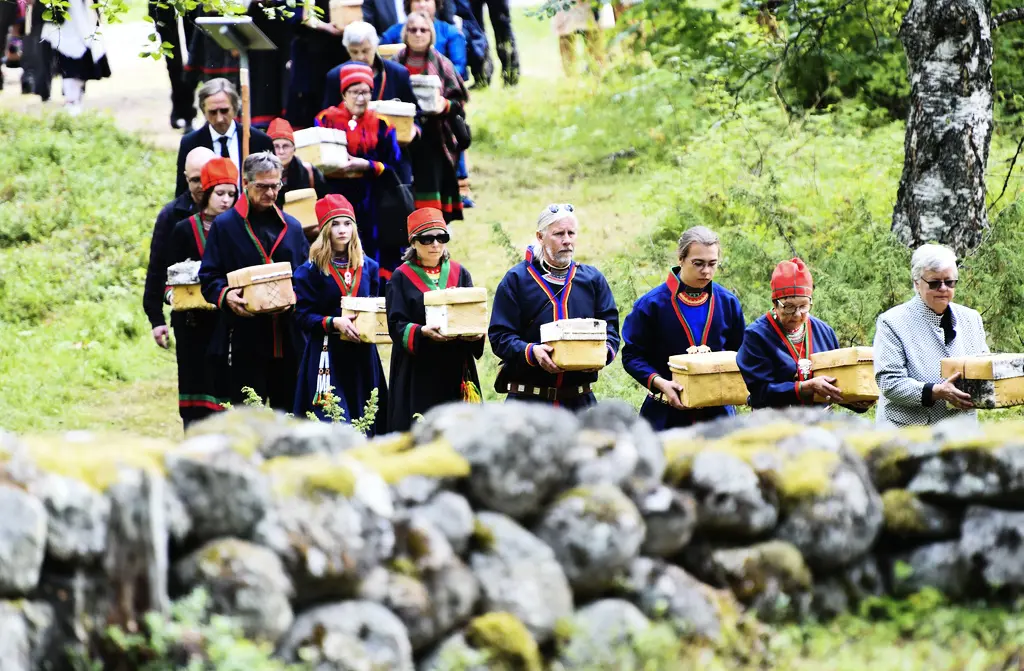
909,342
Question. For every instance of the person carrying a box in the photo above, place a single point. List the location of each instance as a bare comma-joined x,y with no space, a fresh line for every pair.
262,350
427,368
687,312
201,376
548,286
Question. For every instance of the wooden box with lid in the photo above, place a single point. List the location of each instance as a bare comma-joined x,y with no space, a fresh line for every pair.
399,115
370,317
186,294
326,148
301,204
577,344
992,380
266,288
461,311
854,371
344,12
708,379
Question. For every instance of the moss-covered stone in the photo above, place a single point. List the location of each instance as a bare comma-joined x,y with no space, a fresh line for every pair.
606,503
245,428
436,459
806,475
902,512
992,436
404,566
752,569
866,442
391,443
95,458
507,640
483,537
305,475
769,433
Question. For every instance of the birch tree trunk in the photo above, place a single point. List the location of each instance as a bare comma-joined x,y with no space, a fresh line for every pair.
949,56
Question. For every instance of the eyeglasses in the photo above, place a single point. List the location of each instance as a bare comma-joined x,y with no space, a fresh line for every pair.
430,239
555,208
790,310
220,110
365,93
935,285
418,31
276,186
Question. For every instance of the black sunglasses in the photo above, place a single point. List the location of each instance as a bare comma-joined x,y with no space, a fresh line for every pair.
443,238
935,285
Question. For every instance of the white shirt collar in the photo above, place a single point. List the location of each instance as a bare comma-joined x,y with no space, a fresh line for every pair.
230,134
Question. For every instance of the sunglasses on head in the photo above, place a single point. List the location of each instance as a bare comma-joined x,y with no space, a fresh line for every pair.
430,238
554,209
935,285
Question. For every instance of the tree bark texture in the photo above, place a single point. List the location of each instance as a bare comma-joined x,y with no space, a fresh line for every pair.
949,56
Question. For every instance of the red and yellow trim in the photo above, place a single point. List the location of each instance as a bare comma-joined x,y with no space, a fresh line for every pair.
528,352
378,168
650,381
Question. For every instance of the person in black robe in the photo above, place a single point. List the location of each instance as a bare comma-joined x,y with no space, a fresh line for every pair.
201,378
263,349
316,49
427,368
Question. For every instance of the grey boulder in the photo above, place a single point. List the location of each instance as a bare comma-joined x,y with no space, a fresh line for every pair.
601,635
941,566
729,496
452,515
22,541
993,542
77,518
664,591
670,517
349,636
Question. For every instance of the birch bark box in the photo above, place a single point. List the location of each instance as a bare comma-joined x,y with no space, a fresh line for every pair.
709,380
389,51
854,371
344,12
301,204
426,89
326,148
577,344
183,279
399,115
266,288
992,380
369,316
457,312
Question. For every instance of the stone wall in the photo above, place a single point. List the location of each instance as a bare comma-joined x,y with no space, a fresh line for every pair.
516,531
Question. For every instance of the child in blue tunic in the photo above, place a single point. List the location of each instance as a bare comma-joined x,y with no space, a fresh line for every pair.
775,358
336,269
689,310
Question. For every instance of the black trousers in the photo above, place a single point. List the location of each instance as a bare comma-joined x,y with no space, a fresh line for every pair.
504,39
37,56
8,15
273,379
182,93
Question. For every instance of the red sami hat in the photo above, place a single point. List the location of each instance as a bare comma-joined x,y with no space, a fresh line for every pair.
219,171
355,72
425,219
280,129
791,278
332,206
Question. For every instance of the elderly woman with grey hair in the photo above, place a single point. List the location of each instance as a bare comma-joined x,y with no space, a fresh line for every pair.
265,349
390,80
911,339
687,312
548,286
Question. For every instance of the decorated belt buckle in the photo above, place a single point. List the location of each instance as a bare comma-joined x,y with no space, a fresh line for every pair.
803,368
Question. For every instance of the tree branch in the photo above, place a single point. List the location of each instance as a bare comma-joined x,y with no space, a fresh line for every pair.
1009,16
1006,182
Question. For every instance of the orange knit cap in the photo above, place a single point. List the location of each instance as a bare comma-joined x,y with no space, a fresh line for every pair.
791,278
425,219
219,171
280,129
332,206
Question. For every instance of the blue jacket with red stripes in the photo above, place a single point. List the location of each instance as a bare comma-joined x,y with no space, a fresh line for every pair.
524,300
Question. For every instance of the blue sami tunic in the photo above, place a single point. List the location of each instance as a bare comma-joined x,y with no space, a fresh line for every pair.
524,301
233,243
661,326
768,361
355,367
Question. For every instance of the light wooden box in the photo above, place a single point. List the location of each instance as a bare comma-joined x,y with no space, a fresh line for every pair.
457,312
426,88
390,51
577,344
370,317
301,204
266,288
709,380
326,148
344,12
188,297
854,371
992,380
399,115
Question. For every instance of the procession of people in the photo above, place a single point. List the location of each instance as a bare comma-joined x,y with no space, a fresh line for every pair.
378,235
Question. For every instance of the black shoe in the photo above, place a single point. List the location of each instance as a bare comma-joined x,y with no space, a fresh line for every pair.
27,86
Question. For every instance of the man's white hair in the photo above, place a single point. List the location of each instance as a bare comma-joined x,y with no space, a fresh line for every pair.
931,258
358,32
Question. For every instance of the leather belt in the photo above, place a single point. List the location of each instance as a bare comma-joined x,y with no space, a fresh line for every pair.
548,393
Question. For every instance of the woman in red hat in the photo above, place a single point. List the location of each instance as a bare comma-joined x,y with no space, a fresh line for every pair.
427,368
374,156
297,173
349,369
775,357
201,375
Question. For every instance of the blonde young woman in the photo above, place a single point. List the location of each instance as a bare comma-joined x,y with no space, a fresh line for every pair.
336,268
